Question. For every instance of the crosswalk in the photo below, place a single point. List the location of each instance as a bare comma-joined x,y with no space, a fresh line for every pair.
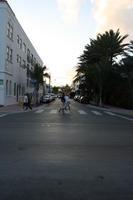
83,112
2,115
98,113
39,111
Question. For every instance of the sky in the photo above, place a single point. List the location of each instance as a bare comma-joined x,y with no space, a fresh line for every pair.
60,29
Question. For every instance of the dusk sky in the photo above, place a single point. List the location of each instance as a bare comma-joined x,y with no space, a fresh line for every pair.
59,29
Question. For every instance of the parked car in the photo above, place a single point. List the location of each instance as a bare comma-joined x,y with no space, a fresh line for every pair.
52,96
46,98
76,97
84,99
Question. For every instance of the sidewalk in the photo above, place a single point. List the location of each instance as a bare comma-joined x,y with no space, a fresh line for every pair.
115,109
121,110
11,109
15,108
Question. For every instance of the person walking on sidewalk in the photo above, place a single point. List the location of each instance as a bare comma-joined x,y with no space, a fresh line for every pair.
25,102
29,102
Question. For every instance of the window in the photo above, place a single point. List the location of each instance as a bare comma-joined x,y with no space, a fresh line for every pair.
6,87
28,52
1,82
18,59
19,90
18,39
24,64
20,43
14,89
28,71
32,61
10,88
23,90
9,31
24,47
9,53
28,55
27,82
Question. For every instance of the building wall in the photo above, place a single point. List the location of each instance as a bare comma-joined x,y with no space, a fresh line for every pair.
12,72
2,53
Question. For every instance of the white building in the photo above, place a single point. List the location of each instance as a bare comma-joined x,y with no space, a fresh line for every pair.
17,56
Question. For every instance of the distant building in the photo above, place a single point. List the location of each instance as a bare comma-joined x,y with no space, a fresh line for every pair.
75,86
17,57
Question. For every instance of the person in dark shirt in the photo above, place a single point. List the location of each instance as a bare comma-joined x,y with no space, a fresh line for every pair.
62,107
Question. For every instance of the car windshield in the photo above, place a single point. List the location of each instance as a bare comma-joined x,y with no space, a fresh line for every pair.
46,96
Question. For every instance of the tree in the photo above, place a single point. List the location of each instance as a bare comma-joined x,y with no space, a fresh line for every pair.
38,76
56,89
127,71
100,56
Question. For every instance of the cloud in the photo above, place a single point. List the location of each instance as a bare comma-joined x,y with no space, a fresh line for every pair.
69,10
113,14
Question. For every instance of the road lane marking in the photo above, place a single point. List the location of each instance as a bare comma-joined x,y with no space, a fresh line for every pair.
53,111
97,107
110,113
96,112
82,112
39,111
120,116
123,117
3,115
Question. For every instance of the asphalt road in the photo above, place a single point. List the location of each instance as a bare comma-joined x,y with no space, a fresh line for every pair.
84,154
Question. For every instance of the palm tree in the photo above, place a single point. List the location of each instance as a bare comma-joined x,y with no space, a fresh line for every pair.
37,74
47,75
127,70
101,54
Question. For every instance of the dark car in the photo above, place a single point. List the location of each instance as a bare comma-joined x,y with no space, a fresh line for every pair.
75,97
84,99
78,98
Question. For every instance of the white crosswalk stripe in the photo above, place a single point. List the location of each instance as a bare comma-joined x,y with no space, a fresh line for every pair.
123,117
3,115
110,113
39,111
53,111
82,112
96,112
67,112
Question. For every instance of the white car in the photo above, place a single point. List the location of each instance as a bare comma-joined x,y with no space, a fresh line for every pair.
46,98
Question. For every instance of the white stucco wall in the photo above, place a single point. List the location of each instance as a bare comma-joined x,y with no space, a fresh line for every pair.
2,52
13,71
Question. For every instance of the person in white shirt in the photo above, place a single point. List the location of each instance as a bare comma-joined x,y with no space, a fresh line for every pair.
67,102
25,102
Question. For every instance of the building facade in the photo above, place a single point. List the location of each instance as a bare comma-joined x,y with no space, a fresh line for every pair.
17,58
